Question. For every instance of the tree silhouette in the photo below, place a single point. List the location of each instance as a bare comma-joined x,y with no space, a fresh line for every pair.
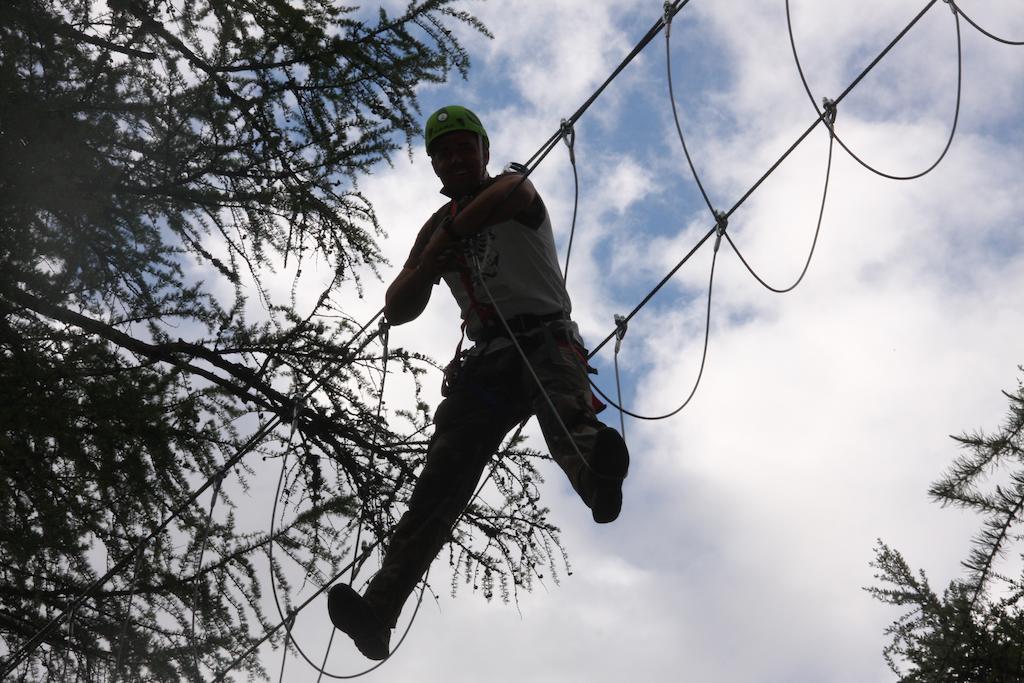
162,164
974,631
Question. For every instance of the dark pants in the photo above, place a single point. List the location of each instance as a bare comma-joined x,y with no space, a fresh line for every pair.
494,392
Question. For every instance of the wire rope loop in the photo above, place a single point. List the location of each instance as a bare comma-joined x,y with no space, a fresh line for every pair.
678,125
700,372
814,242
983,31
823,114
289,620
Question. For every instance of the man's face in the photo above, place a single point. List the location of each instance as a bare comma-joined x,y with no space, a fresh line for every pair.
460,161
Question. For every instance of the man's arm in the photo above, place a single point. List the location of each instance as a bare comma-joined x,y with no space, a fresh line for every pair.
500,201
409,293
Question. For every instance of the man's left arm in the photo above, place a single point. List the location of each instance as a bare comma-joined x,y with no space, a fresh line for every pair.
502,200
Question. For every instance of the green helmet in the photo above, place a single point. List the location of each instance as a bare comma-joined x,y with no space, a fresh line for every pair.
452,117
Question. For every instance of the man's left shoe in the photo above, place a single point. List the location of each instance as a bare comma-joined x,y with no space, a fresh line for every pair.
354,616
610,462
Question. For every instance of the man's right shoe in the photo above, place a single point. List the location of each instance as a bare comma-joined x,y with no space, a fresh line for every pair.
609,462
355,617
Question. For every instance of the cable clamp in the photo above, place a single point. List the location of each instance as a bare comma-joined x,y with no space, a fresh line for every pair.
669,13
952,5
621,324
569,138
830,111
722,222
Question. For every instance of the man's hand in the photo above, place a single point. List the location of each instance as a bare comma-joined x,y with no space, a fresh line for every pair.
440,254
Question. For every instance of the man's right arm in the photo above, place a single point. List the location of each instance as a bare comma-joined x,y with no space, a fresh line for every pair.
409,293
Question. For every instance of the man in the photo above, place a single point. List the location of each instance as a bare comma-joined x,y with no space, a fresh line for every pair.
493,246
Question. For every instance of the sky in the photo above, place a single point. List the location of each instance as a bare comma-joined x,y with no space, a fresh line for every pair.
751,517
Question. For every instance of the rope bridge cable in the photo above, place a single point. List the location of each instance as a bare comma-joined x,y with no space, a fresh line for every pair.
546,148
672,9
22,653
959,88
620,334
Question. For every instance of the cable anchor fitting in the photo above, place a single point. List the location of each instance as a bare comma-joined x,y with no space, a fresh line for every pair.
621,324
952,5
829,112
722,222
667,18
569,138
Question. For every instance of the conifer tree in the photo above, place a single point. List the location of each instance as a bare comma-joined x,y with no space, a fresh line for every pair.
974,631
160,161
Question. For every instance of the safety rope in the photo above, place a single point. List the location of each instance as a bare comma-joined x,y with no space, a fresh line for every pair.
529,366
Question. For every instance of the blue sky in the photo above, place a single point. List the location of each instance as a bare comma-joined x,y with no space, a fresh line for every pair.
823,415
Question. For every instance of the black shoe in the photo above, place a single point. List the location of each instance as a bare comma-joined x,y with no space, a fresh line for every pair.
610,462
352,615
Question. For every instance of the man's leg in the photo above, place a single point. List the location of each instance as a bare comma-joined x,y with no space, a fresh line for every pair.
469,427
592,455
